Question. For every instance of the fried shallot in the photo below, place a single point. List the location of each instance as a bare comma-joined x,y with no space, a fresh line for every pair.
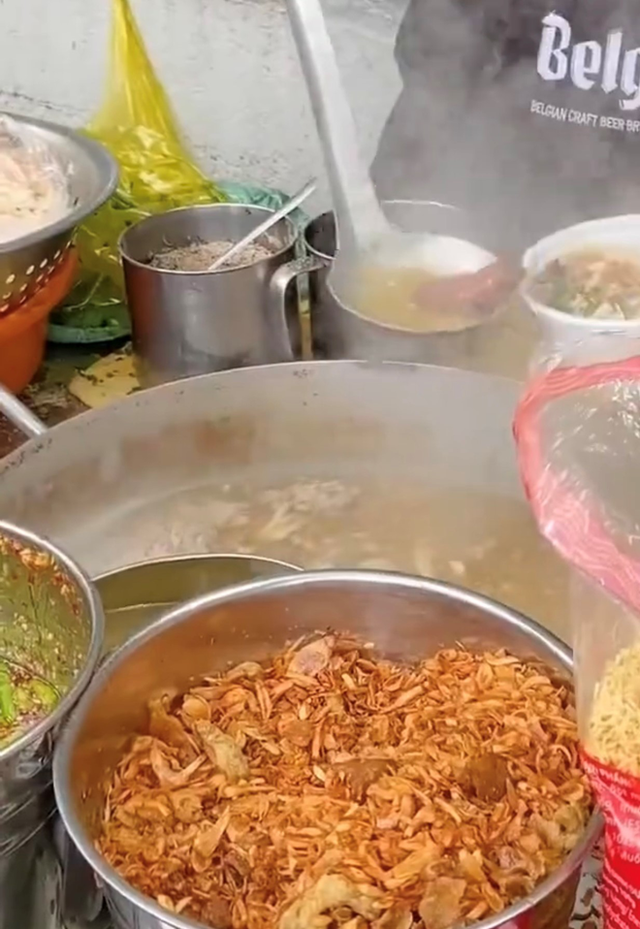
330,787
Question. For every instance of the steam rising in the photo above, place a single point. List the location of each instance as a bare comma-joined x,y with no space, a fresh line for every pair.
464,132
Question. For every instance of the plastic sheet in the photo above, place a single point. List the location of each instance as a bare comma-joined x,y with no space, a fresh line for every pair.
34,190
136,123
578,435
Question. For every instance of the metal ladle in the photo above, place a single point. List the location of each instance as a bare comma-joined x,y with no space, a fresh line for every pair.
363,229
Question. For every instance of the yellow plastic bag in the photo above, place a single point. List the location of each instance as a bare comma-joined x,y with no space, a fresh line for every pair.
136,123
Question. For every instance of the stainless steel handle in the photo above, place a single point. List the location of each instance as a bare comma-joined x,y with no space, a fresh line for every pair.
20,415
276,298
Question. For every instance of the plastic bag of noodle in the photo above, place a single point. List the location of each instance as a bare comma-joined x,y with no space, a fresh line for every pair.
136,123
577,430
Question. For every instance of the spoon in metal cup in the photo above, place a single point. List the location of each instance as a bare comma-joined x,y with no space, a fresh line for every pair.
264,227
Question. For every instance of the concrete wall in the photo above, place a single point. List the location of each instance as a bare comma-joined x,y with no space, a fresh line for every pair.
230,67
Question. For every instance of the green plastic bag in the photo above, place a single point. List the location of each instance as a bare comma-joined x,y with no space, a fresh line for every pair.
136,123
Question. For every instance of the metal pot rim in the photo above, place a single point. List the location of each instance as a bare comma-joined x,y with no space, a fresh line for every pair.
94,605
38,442
196,557
208,207
247,590
402,202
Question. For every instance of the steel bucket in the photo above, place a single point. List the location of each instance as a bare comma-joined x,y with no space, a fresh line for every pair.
31,883
193,323
52,626
405,617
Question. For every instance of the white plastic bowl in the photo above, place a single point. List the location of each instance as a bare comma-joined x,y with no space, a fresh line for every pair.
615,232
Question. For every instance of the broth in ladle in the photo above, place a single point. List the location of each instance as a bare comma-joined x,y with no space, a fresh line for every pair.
416,299
393,296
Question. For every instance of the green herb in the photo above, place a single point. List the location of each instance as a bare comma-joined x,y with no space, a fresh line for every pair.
25,699
7,705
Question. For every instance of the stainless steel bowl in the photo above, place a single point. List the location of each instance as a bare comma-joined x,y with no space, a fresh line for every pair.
26,263
406,617
51,623
135,596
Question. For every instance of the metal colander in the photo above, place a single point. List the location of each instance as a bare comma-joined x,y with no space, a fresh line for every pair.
27,263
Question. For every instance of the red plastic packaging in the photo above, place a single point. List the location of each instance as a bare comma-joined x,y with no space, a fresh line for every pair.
577,430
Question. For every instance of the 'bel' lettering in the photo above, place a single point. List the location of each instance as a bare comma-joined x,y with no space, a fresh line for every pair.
587,64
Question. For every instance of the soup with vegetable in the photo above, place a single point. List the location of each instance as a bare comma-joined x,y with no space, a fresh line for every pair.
592,283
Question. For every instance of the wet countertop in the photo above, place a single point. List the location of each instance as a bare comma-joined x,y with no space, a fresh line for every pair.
48,396
505,348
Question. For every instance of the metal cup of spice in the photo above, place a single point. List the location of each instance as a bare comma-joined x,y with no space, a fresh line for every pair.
188,320
199,255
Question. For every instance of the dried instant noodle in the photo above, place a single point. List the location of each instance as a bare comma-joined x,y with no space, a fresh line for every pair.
329,787
578,435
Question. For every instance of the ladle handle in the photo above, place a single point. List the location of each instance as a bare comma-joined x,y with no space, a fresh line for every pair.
360,219
20,415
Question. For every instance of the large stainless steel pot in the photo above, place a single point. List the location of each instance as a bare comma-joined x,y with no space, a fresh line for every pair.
108,484
84,482
51,624
405,617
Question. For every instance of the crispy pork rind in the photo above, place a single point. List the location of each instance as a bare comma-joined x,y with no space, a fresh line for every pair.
331,788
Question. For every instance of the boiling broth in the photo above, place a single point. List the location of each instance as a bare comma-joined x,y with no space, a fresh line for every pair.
482,541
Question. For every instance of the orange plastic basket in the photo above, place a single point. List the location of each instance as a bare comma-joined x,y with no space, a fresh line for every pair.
23,332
